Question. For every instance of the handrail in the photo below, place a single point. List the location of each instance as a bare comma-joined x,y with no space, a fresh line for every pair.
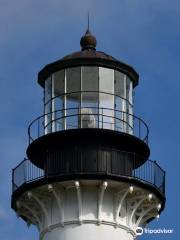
88,114
150,172
122,120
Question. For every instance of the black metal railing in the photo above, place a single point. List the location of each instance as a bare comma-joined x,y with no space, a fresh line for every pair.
74,118
150,172
82,111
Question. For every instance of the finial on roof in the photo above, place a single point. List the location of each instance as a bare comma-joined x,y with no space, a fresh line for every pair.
88,41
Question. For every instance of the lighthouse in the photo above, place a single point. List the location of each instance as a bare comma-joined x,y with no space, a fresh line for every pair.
87,174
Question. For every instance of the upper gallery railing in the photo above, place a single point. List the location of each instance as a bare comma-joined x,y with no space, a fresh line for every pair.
88,115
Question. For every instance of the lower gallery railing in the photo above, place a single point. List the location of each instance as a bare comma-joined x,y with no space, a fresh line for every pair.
150,171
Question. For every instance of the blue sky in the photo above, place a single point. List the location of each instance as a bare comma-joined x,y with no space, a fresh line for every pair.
143,33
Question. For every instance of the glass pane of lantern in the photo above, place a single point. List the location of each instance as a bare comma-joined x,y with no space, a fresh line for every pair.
129,90
48,105
89,95
119,80
48,89
129,110
59,87
59,91
90,78
118,114
73,80
106,98
120,92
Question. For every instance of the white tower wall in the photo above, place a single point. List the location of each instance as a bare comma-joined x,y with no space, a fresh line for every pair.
88,210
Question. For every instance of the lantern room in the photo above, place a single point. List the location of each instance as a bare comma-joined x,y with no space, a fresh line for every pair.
88,89
88,97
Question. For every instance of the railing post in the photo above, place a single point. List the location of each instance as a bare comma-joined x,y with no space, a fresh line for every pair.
123,122
102,117
134,157
106,164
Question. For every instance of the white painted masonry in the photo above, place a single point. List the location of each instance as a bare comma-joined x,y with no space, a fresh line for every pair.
88,209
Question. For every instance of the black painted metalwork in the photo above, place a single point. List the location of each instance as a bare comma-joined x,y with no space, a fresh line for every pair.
82,139
88,58
72,118
105,163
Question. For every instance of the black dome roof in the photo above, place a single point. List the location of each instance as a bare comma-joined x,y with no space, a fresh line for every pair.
87,56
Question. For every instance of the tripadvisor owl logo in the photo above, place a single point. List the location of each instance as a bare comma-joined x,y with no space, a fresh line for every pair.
139,231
